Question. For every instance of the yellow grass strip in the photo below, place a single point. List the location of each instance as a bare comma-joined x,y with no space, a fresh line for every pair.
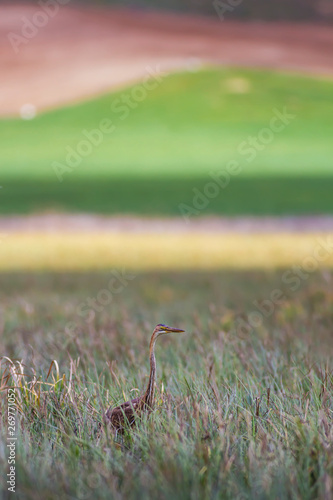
140,252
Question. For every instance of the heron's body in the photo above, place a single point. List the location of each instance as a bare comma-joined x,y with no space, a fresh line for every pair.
126,413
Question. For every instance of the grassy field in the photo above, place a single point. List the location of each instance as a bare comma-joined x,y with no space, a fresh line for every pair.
166,141
151,252
240,414
162,197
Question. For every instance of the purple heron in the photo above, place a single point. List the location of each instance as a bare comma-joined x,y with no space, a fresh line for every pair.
126,413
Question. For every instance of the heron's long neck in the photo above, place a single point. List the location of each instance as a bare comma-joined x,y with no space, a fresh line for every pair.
149,394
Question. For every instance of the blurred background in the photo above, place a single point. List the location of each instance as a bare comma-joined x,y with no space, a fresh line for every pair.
266,10
113,114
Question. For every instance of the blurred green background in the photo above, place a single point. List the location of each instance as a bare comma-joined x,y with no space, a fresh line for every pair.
191,124
245,9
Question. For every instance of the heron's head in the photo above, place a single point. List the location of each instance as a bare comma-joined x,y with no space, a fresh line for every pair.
162,329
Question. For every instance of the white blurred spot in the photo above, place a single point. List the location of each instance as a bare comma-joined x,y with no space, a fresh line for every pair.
193,64
238,85
28,111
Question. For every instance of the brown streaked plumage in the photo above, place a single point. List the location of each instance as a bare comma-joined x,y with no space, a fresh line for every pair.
126,413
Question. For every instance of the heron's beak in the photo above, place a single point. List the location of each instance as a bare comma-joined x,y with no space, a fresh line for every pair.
176,330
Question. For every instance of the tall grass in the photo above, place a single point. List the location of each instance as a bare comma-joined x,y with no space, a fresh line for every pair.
237,416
